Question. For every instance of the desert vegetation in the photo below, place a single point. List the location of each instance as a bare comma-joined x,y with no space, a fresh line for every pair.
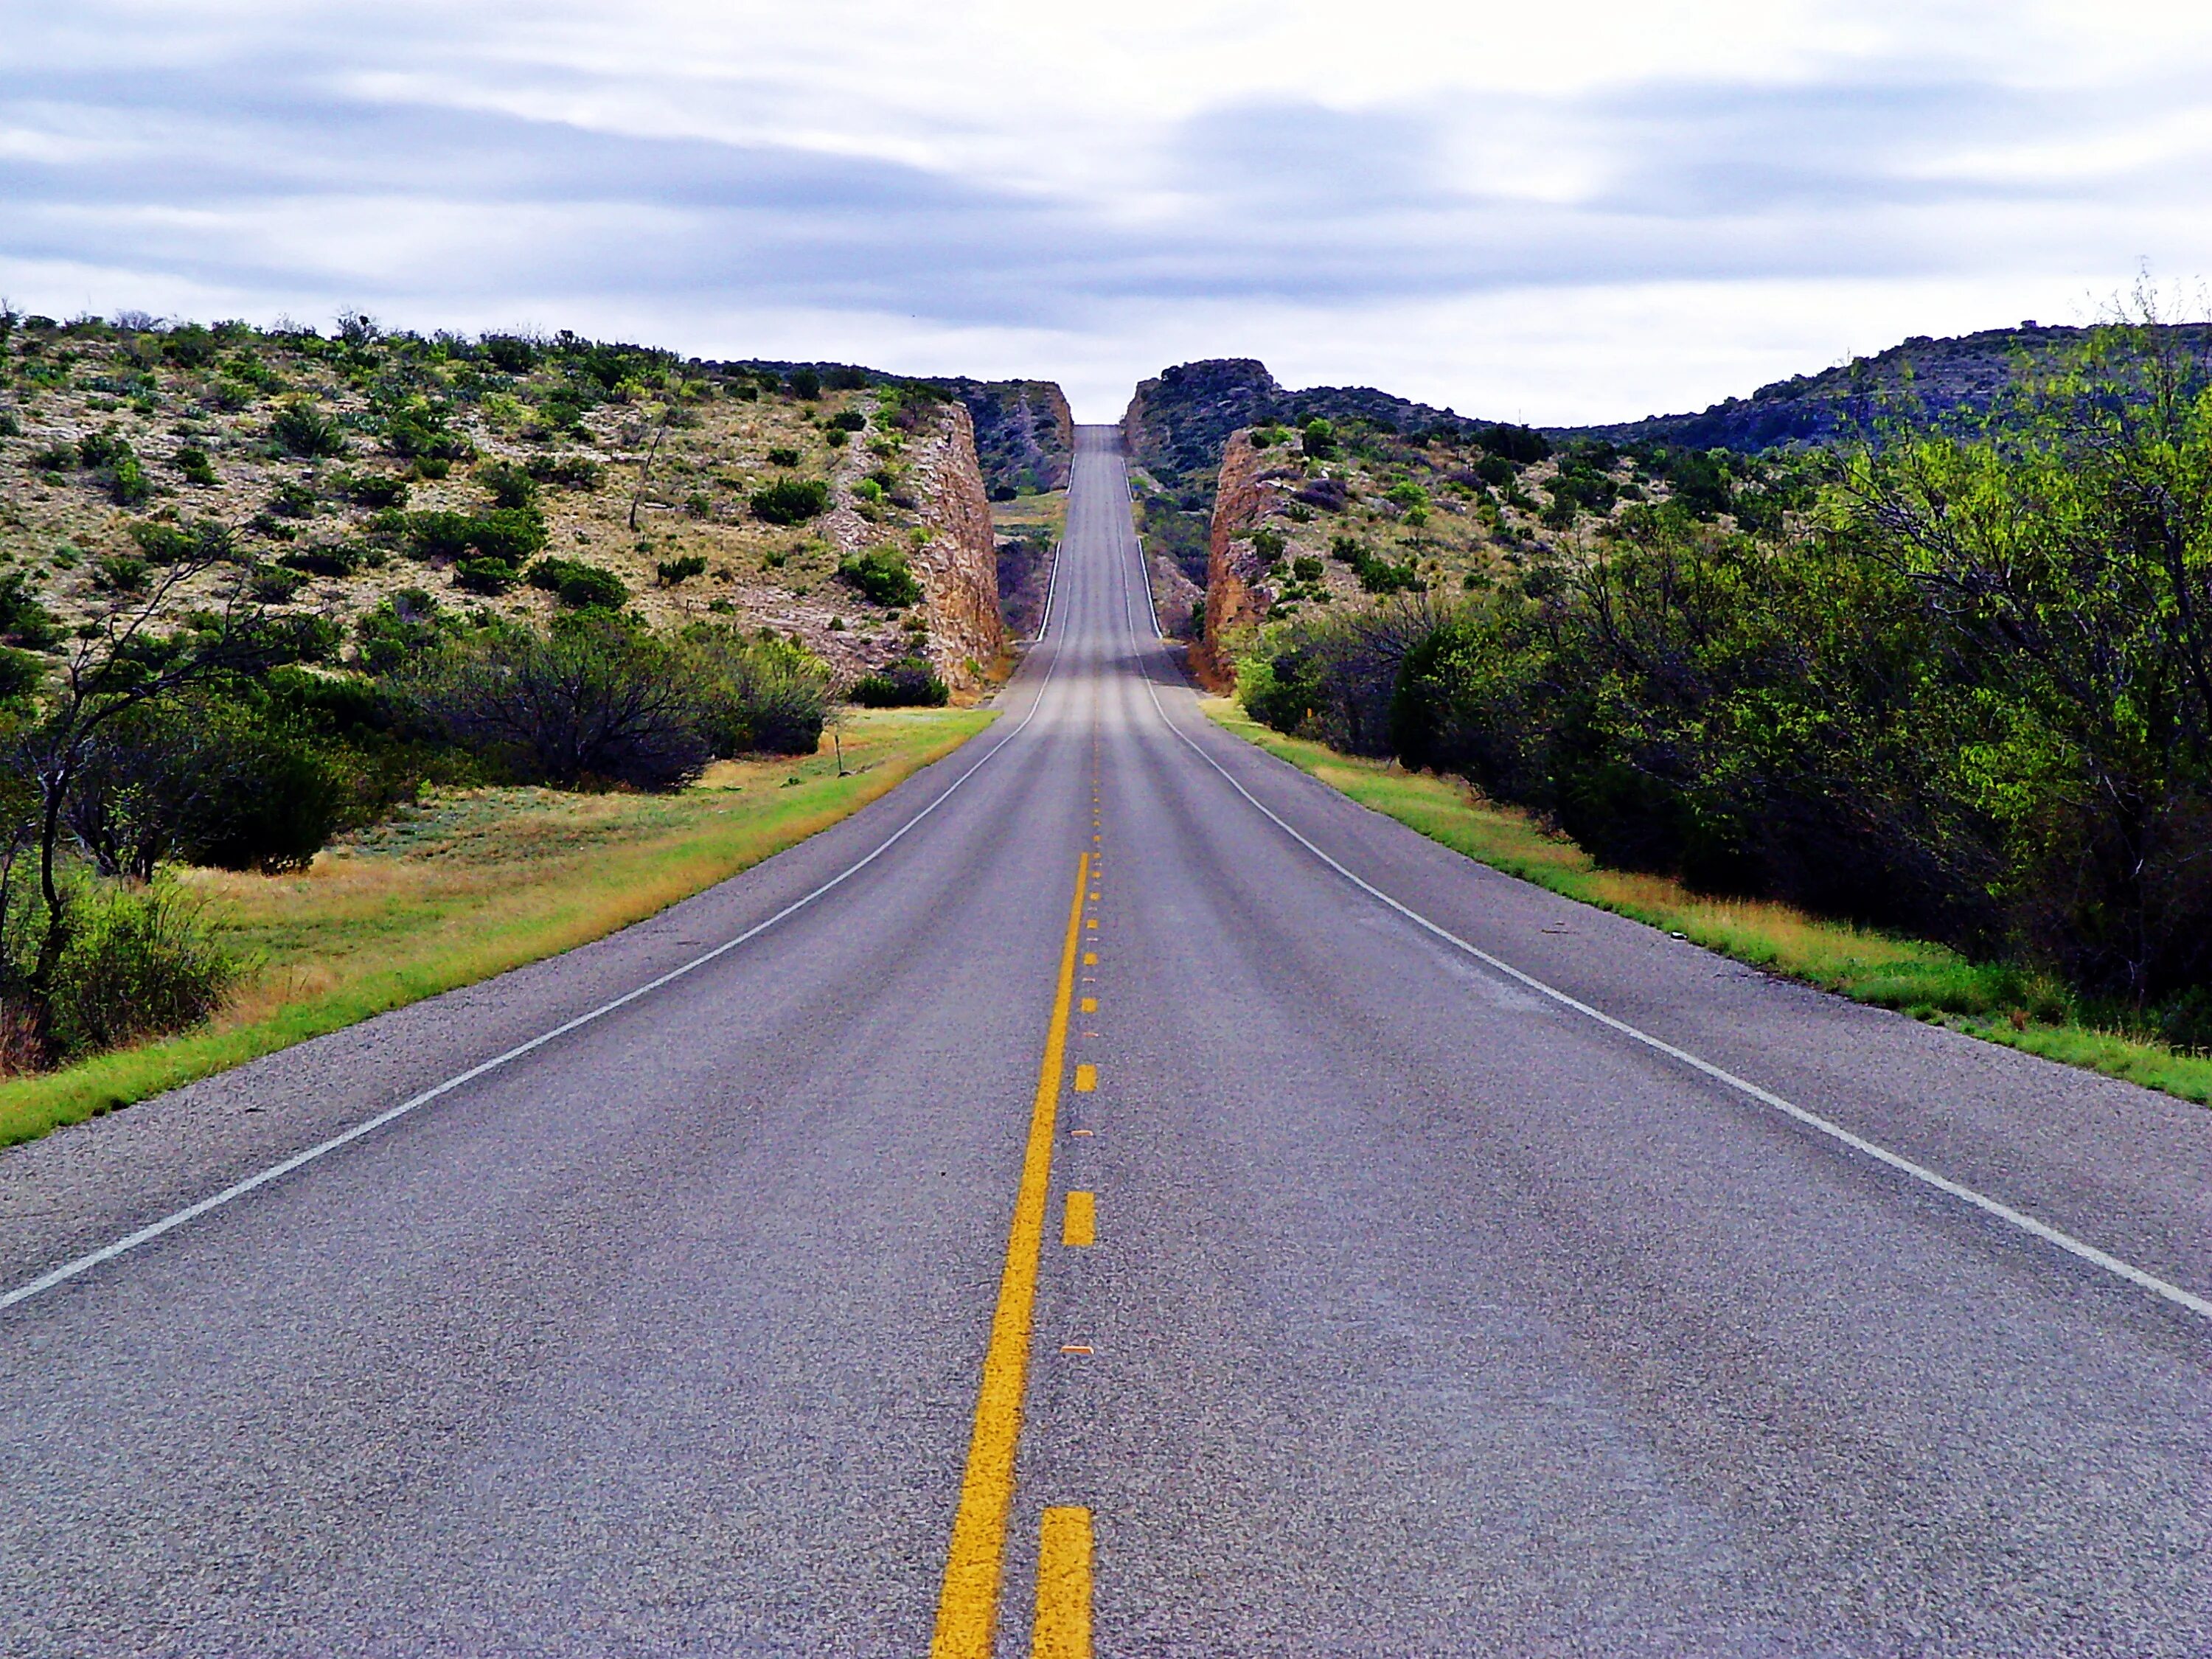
1956,686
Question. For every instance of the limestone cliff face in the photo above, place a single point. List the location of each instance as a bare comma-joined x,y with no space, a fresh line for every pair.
959,565
1235,601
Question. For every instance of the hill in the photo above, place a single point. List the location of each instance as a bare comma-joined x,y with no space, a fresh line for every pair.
1921,382
346,470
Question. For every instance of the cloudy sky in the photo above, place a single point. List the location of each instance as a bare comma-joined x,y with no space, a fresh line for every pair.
1579,209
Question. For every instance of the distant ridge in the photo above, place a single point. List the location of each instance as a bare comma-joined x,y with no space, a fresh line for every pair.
1179,422
1923,381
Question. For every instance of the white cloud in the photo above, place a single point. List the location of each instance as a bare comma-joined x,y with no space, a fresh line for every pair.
1586,210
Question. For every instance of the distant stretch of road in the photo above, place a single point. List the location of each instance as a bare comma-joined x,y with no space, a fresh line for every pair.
1116,1195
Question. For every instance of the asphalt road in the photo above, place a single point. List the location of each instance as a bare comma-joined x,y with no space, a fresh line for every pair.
1424,1312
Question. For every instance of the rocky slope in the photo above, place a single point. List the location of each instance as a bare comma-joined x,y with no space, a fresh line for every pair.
327,467
1024,434
1923,382
1177,433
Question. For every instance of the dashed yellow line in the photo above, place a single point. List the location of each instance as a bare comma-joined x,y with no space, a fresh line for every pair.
968,1602
1063,1591
1089,1005
1086,1079
1078,1220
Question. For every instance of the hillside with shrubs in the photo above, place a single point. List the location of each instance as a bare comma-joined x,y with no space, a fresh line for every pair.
259,588
1957,686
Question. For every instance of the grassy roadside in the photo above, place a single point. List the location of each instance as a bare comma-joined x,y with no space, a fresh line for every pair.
1925,980
471,884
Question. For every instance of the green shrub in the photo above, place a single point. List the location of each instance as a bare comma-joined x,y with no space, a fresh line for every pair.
301,428
400,629
324,559
510,485
791,501
136,964
912,684
846,420
882,575
569,472
25,621
21,675
509,353
197,468
487,577
578,585
63,457
202,540
119,574
762,696
127,481
102,448
674,572
1318,439
293,499
372,489
276,585
777,456
805,384
1306,569
509,534
591,703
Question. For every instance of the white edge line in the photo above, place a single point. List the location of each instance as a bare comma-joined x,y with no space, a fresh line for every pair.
70,1269
2027,1223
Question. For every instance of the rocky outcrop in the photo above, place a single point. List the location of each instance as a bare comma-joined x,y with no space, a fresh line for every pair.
1235,602
957,562
1025,433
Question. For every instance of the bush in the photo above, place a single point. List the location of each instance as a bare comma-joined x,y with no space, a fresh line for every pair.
301,428
195,468
912,684
324,559
24,621
674,572
20,676
63,457
778,457
569,472
791,501
276,585
136,964
491,577
846,420
510,485
374,490
209,781
591,704
763,696
399,630
127,481
119,574
805,384
578,585
882,576
509,534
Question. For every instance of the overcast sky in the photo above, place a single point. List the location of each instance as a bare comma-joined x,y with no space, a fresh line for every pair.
1564,211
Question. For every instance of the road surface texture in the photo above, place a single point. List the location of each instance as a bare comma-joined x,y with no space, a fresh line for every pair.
1423,1312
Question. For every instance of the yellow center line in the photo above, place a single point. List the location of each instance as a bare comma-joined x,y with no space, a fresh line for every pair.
968,1603
1089,1005
1086,1079
1063,1590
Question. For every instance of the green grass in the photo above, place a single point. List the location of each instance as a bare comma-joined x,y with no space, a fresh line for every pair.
471,884
2000,1003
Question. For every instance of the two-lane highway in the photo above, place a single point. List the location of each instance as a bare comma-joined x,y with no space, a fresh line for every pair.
1094,1217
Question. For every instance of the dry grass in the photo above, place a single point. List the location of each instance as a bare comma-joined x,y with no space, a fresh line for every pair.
472,884
1995,1001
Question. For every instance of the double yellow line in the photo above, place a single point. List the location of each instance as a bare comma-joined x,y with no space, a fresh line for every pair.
968,1604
